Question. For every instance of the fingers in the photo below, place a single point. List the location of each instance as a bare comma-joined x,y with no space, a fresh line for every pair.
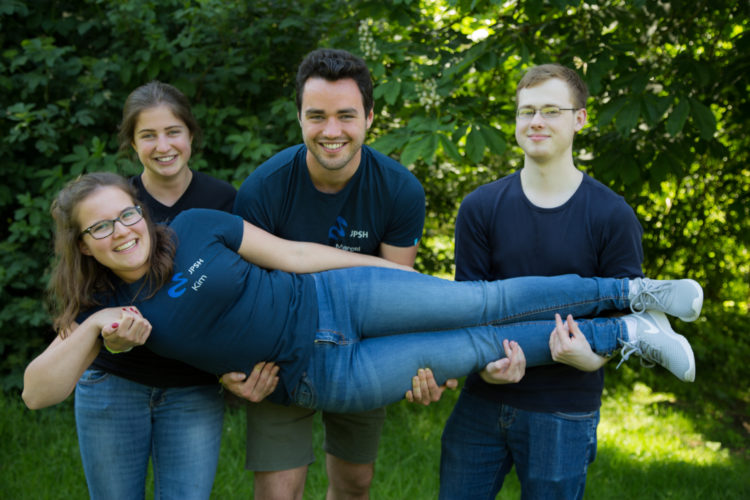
256,386
424,388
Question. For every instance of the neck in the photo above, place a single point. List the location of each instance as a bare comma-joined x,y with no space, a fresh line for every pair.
167,190
550,184
331,181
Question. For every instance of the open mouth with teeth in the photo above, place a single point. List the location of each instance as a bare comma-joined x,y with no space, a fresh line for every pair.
126,246
165,159
333,146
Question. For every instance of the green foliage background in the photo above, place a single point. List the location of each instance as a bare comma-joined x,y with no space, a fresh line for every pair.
668,114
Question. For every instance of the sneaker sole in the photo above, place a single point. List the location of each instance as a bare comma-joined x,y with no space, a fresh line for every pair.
697,303
662,322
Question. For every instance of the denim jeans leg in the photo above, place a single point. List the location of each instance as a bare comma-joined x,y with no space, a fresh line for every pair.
349,374
552,452
187,424
474,457
121,424
113,423
375,301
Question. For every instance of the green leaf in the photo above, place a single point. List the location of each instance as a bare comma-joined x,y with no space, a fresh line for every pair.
677,117
704,119
450,148
475,145
494,139
627,118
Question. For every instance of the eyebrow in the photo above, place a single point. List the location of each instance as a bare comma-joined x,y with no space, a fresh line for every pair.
154,130
315,111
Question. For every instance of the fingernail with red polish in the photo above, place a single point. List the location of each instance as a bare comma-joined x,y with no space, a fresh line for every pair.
115,325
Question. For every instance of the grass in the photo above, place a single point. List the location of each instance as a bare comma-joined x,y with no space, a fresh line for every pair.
652,445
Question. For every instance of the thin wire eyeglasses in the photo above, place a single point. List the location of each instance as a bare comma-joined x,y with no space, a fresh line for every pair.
103,228
547,112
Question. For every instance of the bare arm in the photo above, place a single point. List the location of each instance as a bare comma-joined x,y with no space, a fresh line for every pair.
52,376
271,252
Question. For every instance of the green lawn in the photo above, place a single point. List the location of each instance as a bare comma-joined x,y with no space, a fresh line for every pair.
651,446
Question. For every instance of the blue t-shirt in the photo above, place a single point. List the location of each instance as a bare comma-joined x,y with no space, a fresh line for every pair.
141,364
221,313
500,234
382,203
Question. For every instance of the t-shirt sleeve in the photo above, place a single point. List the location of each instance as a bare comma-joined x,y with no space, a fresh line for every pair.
473,255
407,223
622,249
251,205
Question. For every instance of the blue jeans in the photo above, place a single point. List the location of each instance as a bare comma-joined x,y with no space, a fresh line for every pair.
121,424
482,440
377,326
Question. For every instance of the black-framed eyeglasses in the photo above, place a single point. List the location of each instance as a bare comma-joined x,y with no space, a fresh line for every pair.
547,112
103,228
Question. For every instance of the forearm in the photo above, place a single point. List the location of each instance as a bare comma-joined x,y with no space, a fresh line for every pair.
52,376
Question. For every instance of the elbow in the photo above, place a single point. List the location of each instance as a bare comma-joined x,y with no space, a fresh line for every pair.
32,403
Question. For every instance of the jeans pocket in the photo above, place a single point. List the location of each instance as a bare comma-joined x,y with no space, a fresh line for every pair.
304,393
93,377
576,416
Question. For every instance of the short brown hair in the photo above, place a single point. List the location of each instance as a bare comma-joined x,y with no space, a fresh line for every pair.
536,75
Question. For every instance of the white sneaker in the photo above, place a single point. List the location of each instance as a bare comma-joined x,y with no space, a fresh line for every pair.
680,298
656,342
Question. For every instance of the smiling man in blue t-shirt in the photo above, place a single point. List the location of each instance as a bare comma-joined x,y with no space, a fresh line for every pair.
331,190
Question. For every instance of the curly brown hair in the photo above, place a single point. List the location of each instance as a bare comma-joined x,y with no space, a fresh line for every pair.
77,280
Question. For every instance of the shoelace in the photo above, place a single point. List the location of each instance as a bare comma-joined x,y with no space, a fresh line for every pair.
630,348
646,298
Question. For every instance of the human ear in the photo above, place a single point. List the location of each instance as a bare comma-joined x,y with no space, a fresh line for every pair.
84,248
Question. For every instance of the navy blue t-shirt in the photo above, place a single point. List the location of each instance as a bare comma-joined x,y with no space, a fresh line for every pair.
221,313
141,364
382,203
500,234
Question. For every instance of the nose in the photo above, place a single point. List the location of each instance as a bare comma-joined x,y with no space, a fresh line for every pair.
332,128
537,120
119,229
162,143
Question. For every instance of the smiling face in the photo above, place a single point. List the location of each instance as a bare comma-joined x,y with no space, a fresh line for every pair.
163,143
548,139
126,250
334,124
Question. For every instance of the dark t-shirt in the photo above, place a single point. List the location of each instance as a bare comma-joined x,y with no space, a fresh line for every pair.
221,313
382,203
500,234
142,365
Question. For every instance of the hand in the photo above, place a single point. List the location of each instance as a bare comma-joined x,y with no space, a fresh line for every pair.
123,328
255,387
425,389
568,345
507,370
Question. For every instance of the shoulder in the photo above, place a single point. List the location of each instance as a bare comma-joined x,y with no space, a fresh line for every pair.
603,197
384,169
488,194
210,182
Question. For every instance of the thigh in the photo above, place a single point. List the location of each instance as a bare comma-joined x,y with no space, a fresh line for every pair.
474,458
354,437
186,440
552,452
113,422
278,437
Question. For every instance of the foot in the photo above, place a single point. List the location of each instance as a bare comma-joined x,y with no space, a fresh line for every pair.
680,298
656,342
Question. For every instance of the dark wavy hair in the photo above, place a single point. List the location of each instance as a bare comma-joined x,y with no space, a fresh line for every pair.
149,96
333,65
536,75
78,280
